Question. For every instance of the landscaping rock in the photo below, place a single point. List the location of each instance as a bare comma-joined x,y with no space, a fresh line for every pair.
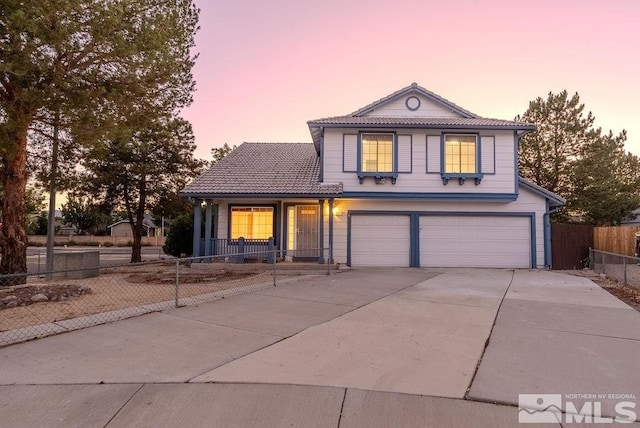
40,297
28,294
7,300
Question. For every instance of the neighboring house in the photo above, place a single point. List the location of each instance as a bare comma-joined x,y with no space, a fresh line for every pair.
409,180
123,227
634,219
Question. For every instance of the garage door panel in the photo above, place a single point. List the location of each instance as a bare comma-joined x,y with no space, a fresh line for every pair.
380,240
467,241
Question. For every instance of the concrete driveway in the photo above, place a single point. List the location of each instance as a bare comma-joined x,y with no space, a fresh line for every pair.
363,348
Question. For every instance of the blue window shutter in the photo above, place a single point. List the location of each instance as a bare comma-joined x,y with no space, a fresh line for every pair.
350,153
405,150
488,151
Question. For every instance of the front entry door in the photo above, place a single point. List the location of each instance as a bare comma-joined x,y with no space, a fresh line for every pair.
306,230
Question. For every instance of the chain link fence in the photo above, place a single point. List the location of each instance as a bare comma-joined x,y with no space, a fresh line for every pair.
621,268
42,304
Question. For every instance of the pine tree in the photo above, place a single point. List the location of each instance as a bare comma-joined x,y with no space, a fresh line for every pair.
83,62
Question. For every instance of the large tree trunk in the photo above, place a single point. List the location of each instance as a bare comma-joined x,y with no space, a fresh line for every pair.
13,237
136,222
136,249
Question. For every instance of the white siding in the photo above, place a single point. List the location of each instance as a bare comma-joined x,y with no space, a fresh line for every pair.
488,148
350,153
464,241
418,181
404,153
380,240
398,108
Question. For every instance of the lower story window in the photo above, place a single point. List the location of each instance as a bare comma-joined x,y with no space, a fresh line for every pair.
251,222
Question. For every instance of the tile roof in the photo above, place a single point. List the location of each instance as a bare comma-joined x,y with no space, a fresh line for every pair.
264,170
437,122
414,88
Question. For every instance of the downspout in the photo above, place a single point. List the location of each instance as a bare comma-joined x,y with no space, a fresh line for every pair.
548,253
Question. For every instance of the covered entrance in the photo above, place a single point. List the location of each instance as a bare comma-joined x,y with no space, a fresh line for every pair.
303,239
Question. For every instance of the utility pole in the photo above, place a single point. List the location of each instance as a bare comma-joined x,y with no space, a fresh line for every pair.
53,178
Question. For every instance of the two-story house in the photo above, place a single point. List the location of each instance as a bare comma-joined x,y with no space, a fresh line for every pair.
409,180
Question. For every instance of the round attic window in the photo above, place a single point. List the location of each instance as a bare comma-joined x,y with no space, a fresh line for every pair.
413,103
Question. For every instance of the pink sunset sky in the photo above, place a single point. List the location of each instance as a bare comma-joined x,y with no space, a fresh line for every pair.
267,67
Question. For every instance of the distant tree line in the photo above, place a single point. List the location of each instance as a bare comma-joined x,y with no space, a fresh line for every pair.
590,168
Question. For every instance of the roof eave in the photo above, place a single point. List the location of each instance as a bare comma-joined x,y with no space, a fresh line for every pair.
204,195
527,128
316,134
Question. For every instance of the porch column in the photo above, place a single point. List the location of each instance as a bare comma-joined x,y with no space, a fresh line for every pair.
207,229
321,229
197,225
330,231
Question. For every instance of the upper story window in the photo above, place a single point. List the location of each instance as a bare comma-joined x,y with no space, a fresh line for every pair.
377,152
460,154
461,157
251,222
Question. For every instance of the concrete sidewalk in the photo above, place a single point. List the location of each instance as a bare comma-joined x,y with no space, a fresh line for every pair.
364,348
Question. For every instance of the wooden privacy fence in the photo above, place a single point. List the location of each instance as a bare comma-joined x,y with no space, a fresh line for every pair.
616,239
570,245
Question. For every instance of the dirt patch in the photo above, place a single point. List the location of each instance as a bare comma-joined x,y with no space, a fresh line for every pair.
629,295
190,278
123,289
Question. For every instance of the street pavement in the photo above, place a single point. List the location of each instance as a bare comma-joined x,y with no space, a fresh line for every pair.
361,348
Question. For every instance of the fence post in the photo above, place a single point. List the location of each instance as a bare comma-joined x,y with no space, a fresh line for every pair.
274,270
271,255
240,259
177,281
624,265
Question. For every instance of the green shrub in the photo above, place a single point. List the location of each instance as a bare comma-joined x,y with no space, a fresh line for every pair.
180,237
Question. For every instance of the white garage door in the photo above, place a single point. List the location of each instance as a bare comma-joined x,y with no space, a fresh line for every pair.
475,242
380,240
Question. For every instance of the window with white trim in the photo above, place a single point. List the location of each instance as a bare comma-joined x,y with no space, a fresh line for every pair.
461,158
377,152
251,222
460,154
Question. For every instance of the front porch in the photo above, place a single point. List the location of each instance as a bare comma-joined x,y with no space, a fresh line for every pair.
243,229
